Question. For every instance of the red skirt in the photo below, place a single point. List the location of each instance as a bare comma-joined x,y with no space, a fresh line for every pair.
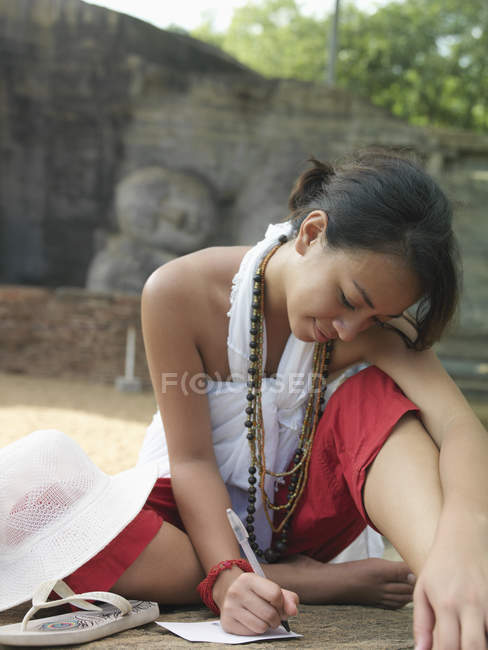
358,418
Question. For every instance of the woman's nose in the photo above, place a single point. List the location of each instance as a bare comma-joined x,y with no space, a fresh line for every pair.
348,329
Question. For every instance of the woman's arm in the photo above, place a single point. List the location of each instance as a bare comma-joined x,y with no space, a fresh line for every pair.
173,361
171,314
452,589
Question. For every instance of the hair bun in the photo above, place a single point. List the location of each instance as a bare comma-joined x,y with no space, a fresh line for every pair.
310,183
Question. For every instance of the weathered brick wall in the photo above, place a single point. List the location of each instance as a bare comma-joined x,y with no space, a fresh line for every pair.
70,333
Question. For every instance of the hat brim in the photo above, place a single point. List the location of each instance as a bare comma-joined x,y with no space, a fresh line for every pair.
95,524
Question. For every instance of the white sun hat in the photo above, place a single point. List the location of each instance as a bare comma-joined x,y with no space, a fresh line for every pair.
58,510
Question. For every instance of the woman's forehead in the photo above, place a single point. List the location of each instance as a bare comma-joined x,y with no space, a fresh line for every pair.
379,280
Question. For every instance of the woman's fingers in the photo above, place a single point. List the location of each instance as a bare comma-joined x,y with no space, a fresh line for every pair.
254,604
456,632
449,624
423,620
473,634
290,603
447,629
255,617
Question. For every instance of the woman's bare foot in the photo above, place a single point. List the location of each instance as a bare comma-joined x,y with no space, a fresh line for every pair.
373,582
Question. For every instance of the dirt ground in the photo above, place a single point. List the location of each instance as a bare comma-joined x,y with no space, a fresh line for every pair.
110,427
107,424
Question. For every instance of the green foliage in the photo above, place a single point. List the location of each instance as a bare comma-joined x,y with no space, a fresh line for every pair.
274,38
207,32
424,60
421,59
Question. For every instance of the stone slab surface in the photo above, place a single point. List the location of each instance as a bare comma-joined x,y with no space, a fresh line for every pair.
323,627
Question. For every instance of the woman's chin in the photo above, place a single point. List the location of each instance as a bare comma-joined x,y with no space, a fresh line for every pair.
304,336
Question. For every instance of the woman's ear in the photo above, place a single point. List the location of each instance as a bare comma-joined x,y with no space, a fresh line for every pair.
312,230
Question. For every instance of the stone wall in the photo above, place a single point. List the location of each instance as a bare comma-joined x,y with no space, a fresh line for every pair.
70,73
104,118
71,333
79,334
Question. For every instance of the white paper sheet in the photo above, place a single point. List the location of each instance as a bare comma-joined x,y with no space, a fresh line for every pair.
212,632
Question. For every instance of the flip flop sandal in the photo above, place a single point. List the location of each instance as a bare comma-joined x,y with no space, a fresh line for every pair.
115,615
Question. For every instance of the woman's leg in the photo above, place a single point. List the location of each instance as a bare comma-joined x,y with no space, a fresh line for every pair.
402,492
374,582
167,570
403,498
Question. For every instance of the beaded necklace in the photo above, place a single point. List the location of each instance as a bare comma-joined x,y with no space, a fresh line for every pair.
298,471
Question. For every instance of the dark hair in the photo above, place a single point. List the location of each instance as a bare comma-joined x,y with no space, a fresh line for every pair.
386,203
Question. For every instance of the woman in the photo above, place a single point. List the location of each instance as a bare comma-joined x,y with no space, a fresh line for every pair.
241,419
372,239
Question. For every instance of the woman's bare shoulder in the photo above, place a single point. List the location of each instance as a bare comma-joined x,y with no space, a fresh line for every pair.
215,264
195,286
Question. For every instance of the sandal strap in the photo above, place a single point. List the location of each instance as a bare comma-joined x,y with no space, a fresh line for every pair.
41,594
39,599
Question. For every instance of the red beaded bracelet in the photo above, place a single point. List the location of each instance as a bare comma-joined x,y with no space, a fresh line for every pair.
206,586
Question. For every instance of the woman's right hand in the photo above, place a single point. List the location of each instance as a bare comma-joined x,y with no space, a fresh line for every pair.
252,604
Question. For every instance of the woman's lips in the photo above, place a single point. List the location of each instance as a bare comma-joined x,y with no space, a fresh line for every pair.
319,335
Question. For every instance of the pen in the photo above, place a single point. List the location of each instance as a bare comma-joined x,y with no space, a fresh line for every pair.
241,535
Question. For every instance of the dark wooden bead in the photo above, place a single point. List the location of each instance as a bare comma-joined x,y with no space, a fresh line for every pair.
252,371
253,345
283,239
280,547
259,552
251,384
253,331
252,469
249,397
252,538
257,277
250,410
255,319
250,519
248,424
270,555
251,509
250,528
254,546
253,357
251,498
250,435
256,292
251,480
251,490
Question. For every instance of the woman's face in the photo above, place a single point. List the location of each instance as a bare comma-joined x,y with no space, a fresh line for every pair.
339,293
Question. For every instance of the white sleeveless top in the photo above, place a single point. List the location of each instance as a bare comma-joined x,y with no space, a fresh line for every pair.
284,399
